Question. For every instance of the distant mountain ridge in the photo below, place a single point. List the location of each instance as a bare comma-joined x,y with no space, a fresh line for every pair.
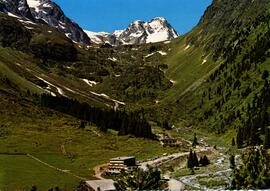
138,32
48,12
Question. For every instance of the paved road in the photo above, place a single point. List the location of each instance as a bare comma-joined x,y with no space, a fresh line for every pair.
164,159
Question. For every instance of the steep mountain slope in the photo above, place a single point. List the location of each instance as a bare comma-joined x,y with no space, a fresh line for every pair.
91,74
226,22
46,12
220,72
52,14
235,96
138,32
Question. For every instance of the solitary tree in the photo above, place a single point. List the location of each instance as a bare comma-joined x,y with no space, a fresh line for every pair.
265,74
266,143
195,141
190,163
55,189
232,162
239,138
82,125
233,141
34,188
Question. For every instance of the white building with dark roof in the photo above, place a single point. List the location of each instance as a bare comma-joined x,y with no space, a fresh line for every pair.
122,163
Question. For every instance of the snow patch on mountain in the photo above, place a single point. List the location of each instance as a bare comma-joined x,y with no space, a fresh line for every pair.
12,15
157,37
89,82
112,59
160,52
96,37
34,4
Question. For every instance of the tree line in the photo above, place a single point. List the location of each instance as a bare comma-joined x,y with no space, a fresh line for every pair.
124,122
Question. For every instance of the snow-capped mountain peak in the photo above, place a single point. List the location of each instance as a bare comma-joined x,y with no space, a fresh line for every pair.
53,15
46,11
160,19
138,32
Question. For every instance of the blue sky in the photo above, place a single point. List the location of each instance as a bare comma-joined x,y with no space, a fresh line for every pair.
110,15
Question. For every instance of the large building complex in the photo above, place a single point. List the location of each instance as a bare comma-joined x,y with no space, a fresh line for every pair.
118,164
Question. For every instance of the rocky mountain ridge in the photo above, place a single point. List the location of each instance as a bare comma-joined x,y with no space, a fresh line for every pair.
138,32
46,12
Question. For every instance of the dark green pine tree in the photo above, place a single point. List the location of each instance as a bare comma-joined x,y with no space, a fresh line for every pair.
82,125
34,188
265,74
232,162
204,161
190,163
239,139
195,141
266,144
195,159
233,142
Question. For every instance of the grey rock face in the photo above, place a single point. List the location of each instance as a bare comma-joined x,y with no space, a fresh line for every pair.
18,7
52,14
46,11
138,32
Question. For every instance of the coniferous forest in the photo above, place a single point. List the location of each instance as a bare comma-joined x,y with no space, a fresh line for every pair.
124,122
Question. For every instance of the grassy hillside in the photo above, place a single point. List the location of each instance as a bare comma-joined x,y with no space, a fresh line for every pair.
29,172
55,139
189,66
235,96
151,76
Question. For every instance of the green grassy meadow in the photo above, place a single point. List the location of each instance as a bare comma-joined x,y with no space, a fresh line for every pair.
188,65
55,139
21,173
